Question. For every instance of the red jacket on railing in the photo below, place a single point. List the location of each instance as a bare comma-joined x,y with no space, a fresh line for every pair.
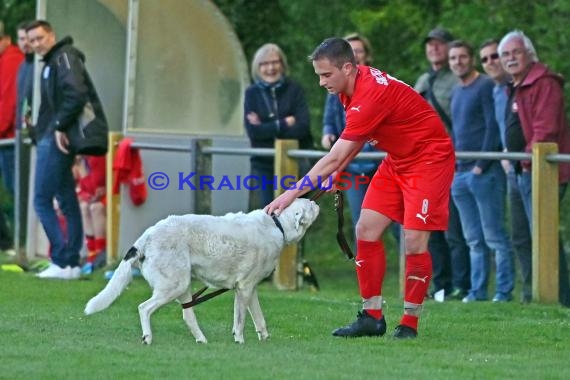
128,169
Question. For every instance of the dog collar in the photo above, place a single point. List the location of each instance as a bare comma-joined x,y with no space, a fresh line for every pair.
278,224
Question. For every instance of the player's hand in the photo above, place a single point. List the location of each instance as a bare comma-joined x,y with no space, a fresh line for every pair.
476,170
280,203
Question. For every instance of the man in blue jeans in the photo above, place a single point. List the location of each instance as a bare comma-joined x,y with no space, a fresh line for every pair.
479,186
63,95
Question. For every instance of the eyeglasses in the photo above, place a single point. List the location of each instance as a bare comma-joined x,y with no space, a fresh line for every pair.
490,57
276,62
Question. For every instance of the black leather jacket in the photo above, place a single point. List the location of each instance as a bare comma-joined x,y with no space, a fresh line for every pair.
65,88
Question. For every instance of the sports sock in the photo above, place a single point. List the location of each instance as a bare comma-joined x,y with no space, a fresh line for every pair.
100,244
418,277
90,242
370,268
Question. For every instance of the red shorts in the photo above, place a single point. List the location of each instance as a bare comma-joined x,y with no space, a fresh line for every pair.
417,198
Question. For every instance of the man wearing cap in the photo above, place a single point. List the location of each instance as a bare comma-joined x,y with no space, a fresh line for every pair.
450,254
10,59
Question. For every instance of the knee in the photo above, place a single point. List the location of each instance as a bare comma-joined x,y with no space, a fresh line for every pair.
416,241
367,231
84,206
97,208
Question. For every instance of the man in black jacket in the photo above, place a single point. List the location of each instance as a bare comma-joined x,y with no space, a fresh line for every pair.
64,92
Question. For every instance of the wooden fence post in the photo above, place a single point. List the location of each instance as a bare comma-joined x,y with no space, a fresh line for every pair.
285,276
113,201
545,222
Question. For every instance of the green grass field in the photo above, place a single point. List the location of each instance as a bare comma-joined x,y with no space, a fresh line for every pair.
44,335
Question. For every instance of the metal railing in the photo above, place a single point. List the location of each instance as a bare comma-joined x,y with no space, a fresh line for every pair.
545,194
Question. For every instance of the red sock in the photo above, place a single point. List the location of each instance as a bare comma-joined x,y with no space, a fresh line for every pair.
370,268
410,321
100,244
90,242
418,277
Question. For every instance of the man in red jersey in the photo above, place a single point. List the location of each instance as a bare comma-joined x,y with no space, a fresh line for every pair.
411,185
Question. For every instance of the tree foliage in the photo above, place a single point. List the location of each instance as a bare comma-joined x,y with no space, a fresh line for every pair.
13,12
396,30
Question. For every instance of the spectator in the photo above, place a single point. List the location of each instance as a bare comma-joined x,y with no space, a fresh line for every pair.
535,114
387,113
333,125
10,59
64,92
25,89
479,186
25,81
92,201
274,108
450,254
520,233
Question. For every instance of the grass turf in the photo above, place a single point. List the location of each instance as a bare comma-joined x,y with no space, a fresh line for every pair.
46,336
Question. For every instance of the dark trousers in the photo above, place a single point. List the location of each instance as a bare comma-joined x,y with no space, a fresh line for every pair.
520,235
450,256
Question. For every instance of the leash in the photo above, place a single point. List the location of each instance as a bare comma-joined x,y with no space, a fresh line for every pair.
198,299
339,207
340,237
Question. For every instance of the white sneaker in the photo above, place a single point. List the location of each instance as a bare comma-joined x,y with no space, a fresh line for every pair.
73,272
54,271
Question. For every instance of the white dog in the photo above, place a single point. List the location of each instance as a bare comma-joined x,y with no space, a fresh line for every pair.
234,251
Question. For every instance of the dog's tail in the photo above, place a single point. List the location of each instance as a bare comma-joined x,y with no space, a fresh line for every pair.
121,278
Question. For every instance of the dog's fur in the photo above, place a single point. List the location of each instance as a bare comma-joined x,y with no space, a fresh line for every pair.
234,251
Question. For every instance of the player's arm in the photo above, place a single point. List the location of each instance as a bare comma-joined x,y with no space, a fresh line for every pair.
342,152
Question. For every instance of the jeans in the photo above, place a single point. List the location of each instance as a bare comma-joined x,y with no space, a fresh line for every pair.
481,203
524,181
54,179
520,234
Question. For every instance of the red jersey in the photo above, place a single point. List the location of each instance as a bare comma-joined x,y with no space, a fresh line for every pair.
394,118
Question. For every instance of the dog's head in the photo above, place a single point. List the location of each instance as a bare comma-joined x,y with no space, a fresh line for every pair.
297,218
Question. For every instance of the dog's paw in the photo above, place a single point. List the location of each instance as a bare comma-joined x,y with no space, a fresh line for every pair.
202,340
263,335
239,339
146,339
